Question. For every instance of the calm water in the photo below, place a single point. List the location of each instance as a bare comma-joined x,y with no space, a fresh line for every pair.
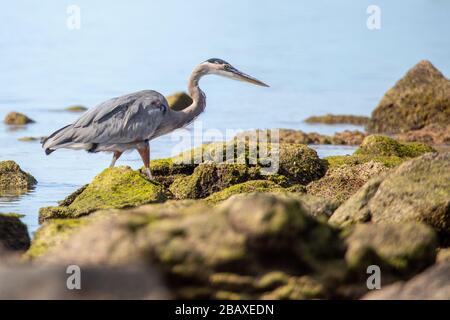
318,57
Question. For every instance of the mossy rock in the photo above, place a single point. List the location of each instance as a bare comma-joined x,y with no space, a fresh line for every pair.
420,98
179,101
377,145
213,251
300,163
76,108
341,182
245,187
118,187
52,233
209,178
13,232
418,190
402,249
17,118
338,119
13,180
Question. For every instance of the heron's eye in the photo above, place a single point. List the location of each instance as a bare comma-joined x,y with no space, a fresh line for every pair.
226,66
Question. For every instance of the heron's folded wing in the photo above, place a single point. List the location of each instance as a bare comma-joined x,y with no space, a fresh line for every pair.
130,118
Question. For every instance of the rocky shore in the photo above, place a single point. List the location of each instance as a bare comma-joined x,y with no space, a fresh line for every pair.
208,230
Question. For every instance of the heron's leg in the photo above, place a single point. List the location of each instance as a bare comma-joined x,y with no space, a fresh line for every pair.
116,156
145,156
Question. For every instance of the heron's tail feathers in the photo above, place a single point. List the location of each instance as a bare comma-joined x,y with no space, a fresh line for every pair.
62,138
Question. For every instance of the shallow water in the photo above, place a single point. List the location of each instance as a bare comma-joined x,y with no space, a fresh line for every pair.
318,57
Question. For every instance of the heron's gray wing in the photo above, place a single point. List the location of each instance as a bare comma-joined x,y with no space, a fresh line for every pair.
130,118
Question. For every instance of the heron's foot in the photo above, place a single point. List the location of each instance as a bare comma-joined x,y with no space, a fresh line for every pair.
148,173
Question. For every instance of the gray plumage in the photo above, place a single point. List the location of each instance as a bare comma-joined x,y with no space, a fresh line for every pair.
131,121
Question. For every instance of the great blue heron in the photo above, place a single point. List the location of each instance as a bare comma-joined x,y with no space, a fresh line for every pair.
131,121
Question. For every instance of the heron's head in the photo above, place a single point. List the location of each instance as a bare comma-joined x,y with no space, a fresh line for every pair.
223,68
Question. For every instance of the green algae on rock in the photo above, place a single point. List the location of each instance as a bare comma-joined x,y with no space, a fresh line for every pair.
402,249
17,118
300,163
118,187
208,178
420,98
385,146
179,101
245,187
13,232
338,119
381,149
13,180
51,233
418,190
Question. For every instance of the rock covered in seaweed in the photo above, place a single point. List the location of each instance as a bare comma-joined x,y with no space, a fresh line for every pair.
420,98
13,180
118,187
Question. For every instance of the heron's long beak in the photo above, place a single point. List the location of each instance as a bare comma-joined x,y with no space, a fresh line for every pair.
238,75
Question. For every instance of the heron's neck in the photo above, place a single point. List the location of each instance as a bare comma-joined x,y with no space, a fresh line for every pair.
198,97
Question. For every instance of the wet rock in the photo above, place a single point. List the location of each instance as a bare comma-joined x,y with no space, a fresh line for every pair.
16,118
215,251
25,281
338,119
402,249
179,101
420,98
13,232
118,187
76,108
432,284
339,183
418,190
13,180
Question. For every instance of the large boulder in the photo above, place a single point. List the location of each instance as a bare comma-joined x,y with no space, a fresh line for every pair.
401,249
420,98
13,232
250,246
17,118
432,284
13,180
418,190
118,187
